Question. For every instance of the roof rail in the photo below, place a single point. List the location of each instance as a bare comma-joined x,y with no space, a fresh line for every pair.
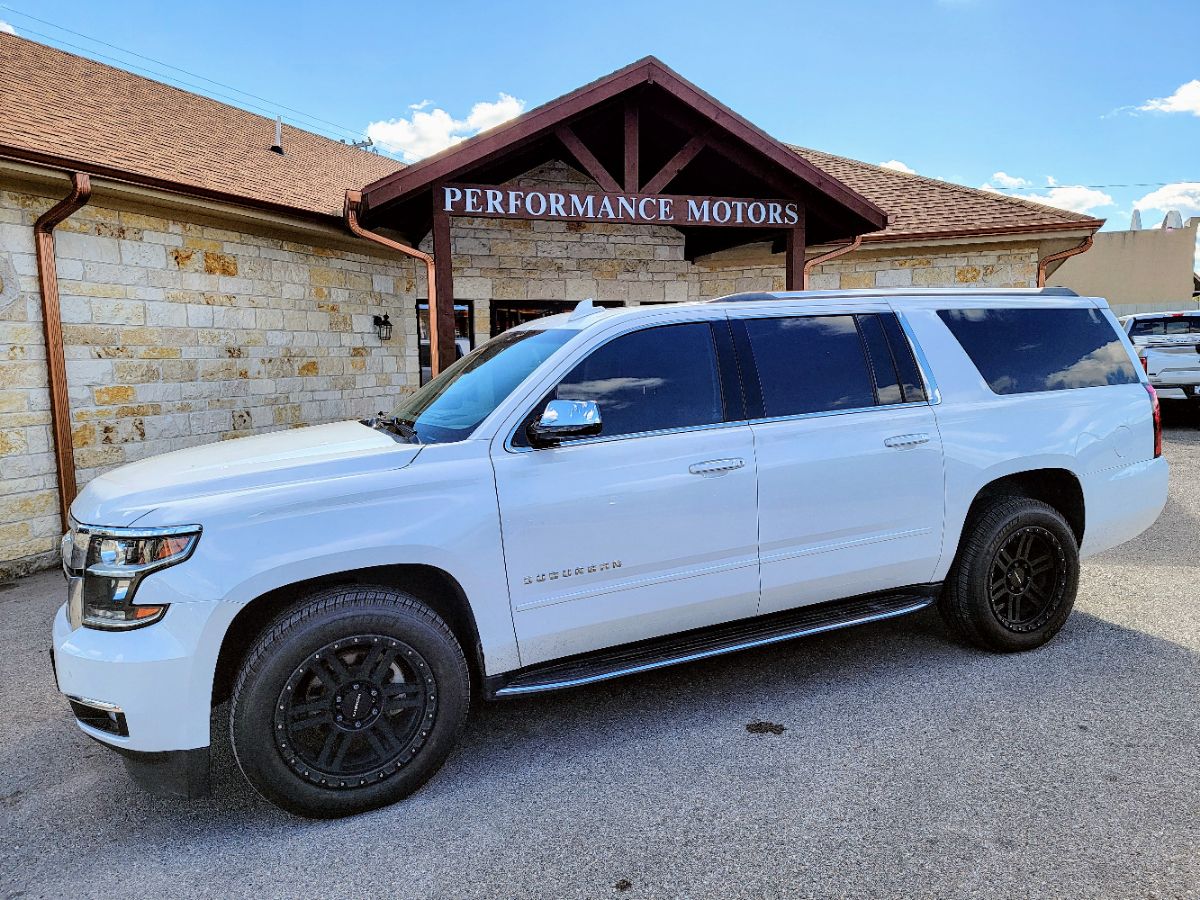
748,296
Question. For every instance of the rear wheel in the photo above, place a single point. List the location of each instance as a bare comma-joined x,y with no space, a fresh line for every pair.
1014,581
350,702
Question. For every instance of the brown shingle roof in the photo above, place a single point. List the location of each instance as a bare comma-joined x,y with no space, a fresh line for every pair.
58,106
66,110
925,207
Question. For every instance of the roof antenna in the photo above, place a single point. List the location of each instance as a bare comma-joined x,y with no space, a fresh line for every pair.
277,147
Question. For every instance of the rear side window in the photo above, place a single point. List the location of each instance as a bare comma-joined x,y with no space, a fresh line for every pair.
810,364
1166,325
1020,351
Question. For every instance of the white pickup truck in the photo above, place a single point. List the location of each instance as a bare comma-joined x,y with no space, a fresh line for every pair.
1168,347
592,495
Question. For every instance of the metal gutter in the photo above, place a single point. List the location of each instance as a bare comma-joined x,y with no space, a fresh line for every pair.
56,364
353,203
826,257
1045,261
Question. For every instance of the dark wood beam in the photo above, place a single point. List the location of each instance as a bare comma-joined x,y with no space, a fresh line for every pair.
793,260
441,311
632,182
676,163
586,158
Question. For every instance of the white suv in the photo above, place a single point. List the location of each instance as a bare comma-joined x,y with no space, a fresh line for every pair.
596,494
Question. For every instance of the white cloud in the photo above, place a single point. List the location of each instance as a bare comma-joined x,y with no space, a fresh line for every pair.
427,132
6,28
1004,180
1074,197
898,166
1186,99
1183,196
488,115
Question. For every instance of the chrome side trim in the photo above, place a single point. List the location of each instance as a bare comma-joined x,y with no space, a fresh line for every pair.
515,690
608,439
838,412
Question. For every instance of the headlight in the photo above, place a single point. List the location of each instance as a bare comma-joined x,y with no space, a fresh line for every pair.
114,562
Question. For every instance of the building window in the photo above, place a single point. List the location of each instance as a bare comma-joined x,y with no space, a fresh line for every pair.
508,314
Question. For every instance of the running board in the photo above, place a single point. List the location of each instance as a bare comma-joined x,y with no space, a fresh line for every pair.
701,643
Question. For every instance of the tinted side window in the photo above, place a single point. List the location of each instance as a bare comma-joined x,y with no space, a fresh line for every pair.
810,364
649,380
1023,350
906,364
887,383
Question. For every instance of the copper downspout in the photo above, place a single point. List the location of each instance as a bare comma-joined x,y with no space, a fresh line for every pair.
353,201
1055,257
826,257
56,364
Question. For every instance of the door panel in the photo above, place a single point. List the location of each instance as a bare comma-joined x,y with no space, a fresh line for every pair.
849,503
608,542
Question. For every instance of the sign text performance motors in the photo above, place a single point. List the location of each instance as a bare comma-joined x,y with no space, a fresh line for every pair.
638,209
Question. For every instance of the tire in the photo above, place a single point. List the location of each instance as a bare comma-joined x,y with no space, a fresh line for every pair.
307,731
1013,583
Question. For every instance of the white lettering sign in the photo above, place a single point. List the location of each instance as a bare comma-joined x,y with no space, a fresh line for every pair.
475,200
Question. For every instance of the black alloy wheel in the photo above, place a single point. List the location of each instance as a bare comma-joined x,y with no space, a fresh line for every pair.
1013,582
348,701
357,709
1027,578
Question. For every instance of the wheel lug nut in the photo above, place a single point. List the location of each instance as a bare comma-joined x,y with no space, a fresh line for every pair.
374,693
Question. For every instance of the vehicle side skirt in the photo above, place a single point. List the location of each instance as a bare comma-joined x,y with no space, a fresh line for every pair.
701,643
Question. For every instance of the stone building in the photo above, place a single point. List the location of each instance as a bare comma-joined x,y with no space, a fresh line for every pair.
210,288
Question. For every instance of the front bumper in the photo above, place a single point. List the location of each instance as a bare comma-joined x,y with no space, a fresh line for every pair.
158,679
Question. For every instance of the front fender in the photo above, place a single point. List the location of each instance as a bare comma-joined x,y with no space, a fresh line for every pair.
440,512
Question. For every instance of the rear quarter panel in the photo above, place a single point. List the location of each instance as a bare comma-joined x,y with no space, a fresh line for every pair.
1096,433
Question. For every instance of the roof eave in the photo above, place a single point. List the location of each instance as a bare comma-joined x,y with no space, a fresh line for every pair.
649,70
68,164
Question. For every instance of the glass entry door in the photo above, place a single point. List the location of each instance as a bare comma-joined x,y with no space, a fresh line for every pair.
464,333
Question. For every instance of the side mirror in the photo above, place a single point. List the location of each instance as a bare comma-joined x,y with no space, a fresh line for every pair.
563,420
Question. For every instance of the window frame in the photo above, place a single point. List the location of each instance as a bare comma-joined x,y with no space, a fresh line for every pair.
752,388
727,369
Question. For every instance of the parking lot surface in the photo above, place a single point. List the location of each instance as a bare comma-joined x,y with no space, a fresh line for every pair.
906,765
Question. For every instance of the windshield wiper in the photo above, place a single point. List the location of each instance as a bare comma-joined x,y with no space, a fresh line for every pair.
394,424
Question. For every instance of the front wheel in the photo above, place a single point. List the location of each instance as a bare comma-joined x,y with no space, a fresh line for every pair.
349,702
1014,581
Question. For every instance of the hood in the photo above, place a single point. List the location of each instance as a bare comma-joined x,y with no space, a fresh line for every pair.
340,449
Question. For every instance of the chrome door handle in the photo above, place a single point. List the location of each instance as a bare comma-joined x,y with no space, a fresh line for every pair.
900,441
714,466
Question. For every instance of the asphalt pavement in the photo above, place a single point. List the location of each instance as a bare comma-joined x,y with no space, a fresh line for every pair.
881,761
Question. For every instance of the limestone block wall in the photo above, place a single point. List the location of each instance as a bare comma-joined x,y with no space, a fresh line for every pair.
179,333
968,266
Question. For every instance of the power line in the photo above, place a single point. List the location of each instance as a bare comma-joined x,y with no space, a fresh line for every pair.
1051,187
274,107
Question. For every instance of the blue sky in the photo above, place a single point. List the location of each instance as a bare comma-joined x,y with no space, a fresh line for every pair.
1083,94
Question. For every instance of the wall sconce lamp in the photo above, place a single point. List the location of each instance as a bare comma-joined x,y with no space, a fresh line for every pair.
383,326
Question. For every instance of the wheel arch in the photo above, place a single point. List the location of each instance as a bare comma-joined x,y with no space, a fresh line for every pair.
434,586
1058,487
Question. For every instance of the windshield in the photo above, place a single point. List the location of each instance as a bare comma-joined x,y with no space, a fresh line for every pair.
451,406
